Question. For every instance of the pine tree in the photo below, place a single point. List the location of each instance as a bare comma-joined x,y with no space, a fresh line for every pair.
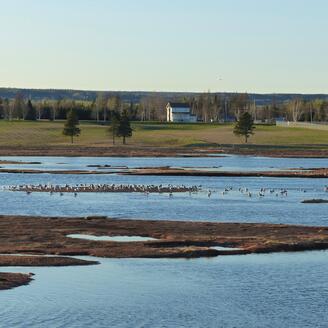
114,125
71,126
30,112
124,129
244,126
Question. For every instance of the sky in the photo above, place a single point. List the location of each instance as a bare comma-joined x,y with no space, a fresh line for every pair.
165,45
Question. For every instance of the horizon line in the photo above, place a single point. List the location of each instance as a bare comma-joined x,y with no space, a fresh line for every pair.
163,91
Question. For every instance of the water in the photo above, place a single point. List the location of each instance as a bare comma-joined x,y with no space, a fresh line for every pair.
278,290
272,290
225,162
122,239
233,207
221,248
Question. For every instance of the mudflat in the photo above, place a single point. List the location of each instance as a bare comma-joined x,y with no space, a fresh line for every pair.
168,171
45,241
292,173
150,151
12,280
49,236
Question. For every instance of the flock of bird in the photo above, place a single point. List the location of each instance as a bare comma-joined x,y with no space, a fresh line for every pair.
246,191
260,193
104,188
147,189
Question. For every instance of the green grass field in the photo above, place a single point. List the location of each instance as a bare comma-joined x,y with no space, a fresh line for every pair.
156,134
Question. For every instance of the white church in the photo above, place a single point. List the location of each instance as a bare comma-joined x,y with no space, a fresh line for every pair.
180,112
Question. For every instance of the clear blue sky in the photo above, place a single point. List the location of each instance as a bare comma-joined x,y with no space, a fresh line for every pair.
169,45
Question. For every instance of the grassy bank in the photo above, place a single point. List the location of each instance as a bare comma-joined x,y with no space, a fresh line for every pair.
34,134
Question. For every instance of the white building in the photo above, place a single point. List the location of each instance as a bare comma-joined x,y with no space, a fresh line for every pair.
180,112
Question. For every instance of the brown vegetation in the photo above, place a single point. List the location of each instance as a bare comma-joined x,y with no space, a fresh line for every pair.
38,261
110,151
12,280
48,236
299,173
168,171
145,151
40,236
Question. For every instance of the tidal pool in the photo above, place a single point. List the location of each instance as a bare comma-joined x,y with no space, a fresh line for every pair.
222,248
122,239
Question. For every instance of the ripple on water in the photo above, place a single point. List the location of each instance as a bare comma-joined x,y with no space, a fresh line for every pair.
232,291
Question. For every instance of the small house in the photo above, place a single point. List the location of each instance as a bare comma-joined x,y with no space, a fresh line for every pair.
180,112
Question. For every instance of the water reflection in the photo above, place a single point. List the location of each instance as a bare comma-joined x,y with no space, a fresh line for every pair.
277,290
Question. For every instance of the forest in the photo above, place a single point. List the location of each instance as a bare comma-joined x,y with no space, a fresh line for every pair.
209,107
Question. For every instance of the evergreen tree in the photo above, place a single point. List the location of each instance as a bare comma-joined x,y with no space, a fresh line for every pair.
30,112
244,126
114,125
71,126
124,128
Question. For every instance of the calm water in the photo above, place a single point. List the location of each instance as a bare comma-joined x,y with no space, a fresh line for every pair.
122,239
229,162
234,206
278,290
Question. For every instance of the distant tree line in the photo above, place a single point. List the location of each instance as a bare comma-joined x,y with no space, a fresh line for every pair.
99,110
214,108
208,107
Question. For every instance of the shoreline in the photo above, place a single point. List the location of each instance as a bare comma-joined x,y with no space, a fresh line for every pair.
13,280
314,173
144,151
299,173
36,237
45,241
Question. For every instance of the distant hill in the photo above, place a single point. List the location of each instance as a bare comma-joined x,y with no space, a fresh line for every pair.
136,96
